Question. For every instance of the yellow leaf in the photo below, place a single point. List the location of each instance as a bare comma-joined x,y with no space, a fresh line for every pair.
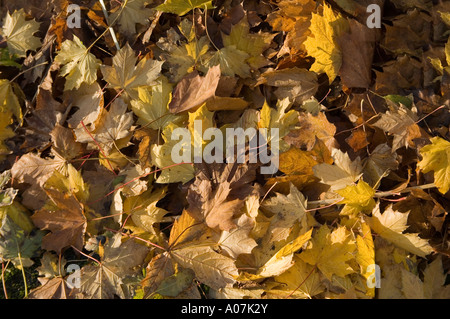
436,157
322,44
9,101
365,255
357,198
5,133
19,33
302,277
391,224
80,66
330,251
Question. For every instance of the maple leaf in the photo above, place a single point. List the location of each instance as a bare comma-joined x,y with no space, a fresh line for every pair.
17,245
181,7
365,255
379,164
52,278
119,261
254,44
127,15
231,61
357,198
330,251
280,119
312,127
296,84
238,241
89,101
152,108
344,172
194,90
436,157
19,33
183,59
288,210
322,43
217,192
111,129
65,219
80,66
9,101
143,210
126,75
300,281
294,18
391,224
433,285
162,157
5,133
400,122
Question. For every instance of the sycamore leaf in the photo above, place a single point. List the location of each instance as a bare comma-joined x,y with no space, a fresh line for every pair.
357,198
19,33
108,278
111,126
143,209
162,157
322,43
288,210
231,61
436,157
126,75
301,277
401,123
80,66
278,119
254,44
194,90
238,241
54,288
217,193
17,245
181,7
5,133
296,84
365,255
343,173
182,59
432,286
294,18
330,251
89,102
65,219
391,224
134,11
9,101
152,108
210,267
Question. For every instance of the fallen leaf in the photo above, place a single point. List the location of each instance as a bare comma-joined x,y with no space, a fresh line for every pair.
194,90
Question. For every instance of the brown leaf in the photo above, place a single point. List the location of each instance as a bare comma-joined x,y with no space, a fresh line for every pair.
310,128
194,89
55,288
217,194
357,48
66,222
